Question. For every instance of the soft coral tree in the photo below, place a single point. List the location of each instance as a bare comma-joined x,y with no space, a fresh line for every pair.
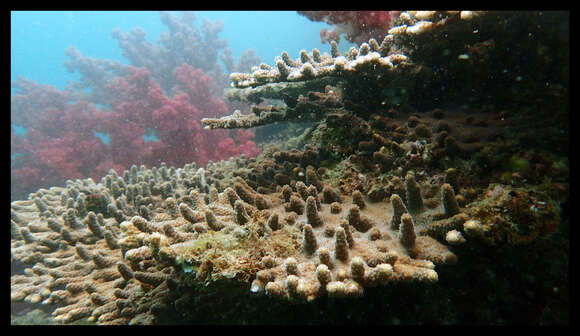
60,141
59,144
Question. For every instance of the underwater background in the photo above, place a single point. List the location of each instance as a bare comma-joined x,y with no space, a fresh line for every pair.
282,167
49,33
43,41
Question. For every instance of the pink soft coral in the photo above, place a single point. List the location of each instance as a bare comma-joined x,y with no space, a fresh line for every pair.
60,142
357,26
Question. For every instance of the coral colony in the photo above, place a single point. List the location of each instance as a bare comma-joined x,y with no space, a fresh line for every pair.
378,195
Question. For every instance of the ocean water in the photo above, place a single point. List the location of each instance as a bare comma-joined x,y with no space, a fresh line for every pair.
39,38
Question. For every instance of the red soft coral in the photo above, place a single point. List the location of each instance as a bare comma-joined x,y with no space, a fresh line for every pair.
60,141
357,26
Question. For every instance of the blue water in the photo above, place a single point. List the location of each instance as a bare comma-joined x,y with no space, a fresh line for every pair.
39,39
18,130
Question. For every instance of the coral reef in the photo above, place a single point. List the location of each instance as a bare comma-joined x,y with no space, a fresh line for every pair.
139,107
385,135
394,212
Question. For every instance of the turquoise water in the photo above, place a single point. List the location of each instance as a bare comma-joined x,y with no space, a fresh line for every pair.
39,39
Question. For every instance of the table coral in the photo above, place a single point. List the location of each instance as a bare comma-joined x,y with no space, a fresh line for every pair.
107,261
214,236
